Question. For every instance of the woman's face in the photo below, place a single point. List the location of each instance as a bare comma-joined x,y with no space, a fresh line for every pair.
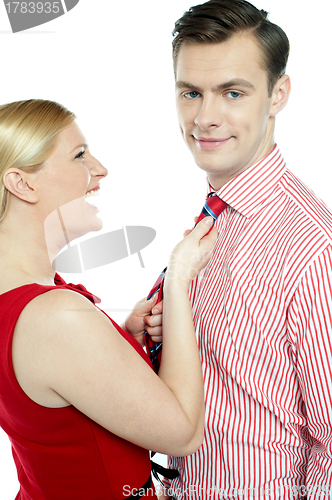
68,174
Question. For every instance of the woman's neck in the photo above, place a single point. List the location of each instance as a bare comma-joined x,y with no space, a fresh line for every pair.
23,250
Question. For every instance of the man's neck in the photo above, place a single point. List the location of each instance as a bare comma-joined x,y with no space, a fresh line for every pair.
217,181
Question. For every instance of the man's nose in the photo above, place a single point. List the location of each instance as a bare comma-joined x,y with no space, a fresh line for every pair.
210,113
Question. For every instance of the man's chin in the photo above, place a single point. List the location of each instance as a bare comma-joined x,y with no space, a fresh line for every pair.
211,168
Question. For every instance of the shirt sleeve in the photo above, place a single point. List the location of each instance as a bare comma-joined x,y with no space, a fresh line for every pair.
310,334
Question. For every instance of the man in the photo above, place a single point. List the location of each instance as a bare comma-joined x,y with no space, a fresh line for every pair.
262,306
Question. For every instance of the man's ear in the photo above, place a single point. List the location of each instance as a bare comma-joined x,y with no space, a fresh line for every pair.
280,95
20,184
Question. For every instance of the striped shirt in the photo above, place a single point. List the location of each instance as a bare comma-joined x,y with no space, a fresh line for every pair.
262,312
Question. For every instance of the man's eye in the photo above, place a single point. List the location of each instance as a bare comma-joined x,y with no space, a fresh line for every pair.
232,94
191,95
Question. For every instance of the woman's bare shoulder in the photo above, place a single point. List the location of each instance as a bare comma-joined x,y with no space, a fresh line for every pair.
57,307
51,331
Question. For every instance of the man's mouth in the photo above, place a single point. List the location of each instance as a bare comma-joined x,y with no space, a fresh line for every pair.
211,142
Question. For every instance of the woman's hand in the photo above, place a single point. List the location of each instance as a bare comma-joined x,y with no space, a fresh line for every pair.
192,253
188,231
146,315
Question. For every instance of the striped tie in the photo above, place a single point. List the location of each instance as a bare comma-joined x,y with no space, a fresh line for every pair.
213,207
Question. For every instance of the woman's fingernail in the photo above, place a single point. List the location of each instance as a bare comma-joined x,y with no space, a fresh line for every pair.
208,221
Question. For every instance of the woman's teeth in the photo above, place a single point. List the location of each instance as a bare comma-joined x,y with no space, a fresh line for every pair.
94,192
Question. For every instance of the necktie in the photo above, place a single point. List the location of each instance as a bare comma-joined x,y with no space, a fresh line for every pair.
212,207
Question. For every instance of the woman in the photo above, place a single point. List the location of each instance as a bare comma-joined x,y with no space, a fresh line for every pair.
79,400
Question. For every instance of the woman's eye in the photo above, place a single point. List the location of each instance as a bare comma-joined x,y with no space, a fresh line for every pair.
191,95
80,154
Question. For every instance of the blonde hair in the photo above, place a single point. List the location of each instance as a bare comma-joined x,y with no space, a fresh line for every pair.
28,135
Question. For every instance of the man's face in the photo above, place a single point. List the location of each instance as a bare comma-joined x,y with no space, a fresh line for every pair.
223,106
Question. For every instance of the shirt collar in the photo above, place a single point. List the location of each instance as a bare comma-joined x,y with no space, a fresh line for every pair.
247,191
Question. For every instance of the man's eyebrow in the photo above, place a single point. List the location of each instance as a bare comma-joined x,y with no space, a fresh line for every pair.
231,83
234,83
185,85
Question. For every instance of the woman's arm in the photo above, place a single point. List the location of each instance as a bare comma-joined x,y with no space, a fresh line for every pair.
66,351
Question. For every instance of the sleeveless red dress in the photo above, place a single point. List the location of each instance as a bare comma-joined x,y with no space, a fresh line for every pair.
61,454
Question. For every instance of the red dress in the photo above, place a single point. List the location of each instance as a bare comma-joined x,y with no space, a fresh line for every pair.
61,454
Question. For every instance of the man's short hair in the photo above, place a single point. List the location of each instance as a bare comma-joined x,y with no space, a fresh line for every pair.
217,20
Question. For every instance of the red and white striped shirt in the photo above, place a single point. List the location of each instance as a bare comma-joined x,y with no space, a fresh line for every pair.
262,308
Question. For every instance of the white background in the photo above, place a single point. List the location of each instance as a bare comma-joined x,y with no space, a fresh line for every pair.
110,62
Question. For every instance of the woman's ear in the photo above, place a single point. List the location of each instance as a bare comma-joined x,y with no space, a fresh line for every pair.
20,184
280,95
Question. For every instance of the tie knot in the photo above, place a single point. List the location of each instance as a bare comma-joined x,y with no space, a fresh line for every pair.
213,207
